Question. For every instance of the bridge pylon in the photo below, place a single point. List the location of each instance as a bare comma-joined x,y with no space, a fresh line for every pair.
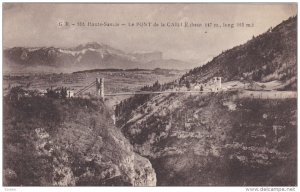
100,88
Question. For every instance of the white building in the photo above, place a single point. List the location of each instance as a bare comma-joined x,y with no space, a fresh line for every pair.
215,84
70,93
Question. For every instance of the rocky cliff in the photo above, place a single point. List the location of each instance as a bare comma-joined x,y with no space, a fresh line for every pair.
216,139
59,142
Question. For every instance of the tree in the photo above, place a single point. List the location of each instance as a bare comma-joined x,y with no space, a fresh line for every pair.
16,92
257,75
63,92
188,85
156,86
51,93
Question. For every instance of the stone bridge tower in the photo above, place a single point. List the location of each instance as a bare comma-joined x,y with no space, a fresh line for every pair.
217,83
100,88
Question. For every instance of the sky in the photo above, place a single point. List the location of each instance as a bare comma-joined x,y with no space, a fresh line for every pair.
37,25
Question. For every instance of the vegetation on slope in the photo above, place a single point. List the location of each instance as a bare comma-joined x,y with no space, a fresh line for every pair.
223,138
53,141
269,56
217,139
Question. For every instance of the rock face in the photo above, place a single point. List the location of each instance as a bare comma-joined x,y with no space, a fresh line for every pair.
56,142
144,173
202,140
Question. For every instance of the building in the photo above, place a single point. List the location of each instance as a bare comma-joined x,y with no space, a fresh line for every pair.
70,93
214,85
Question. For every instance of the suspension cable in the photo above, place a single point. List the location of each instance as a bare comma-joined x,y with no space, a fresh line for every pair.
85,88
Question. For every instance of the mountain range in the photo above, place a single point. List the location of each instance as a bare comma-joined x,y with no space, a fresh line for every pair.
87,56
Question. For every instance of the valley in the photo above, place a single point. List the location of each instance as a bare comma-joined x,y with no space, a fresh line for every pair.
115,80
230,122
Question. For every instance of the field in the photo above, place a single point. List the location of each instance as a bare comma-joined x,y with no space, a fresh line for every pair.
114,81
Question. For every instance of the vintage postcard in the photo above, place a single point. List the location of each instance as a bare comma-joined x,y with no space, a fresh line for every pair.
150,94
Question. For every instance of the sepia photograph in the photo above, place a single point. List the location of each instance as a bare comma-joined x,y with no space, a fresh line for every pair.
149,94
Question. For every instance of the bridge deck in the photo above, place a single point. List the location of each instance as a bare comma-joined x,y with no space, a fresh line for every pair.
154,92
244,93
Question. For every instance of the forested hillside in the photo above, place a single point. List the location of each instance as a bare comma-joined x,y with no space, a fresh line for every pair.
267,57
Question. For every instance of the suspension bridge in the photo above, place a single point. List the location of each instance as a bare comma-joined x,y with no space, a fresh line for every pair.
99,84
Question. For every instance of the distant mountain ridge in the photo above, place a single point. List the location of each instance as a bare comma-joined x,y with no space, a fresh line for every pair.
84,57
